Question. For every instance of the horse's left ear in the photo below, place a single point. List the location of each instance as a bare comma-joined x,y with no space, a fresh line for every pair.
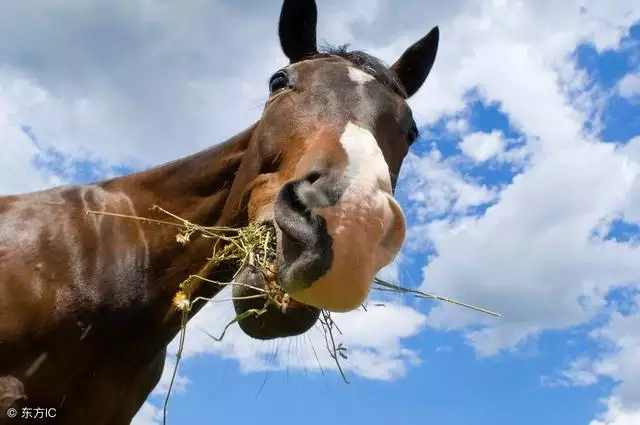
297,29
416,62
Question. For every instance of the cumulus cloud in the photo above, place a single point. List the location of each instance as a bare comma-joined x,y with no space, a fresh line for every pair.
434,186
631,209
18,150
620,360
540,249
139,82
629,86
617,414
579,373
483,146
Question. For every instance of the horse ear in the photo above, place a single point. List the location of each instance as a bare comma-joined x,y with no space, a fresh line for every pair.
297,28
413,67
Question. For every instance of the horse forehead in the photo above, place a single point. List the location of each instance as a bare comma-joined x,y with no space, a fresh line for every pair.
334,72
346,97
356,103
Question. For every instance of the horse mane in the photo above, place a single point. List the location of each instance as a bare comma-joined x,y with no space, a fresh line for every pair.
364,62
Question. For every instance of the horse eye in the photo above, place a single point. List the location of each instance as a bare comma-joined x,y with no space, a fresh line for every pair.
278,81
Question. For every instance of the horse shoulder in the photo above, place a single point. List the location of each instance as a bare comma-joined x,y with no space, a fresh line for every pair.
57,260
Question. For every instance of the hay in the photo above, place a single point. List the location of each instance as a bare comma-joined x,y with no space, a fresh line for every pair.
384,286
251,245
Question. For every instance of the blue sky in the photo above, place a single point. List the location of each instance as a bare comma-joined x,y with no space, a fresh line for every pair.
521,197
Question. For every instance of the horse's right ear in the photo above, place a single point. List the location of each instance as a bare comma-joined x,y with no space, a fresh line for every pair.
297,29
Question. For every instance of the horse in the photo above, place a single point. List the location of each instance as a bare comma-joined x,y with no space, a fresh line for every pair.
87,300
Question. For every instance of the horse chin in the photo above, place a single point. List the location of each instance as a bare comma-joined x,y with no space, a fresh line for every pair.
280,318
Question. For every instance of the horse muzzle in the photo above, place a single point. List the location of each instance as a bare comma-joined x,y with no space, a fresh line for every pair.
334,234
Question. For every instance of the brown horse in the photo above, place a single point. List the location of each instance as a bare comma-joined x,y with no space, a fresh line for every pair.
84,299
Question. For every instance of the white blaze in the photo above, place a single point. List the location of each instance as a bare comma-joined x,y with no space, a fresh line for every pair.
359,76
367,226
365,159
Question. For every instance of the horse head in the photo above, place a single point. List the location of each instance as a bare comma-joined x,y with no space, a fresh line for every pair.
321,168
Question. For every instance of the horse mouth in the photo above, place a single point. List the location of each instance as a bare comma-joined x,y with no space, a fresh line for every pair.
266,308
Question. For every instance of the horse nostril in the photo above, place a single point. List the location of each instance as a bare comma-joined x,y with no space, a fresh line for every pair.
313,190
314,175
319,188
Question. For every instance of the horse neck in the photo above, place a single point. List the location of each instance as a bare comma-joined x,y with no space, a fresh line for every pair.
202,189
188,185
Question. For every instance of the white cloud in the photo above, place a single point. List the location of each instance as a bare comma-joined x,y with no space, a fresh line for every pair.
435,187
621,358
617,414
540,249
631,208
16,160
460,126
579,373
483,146
143,82
629,86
